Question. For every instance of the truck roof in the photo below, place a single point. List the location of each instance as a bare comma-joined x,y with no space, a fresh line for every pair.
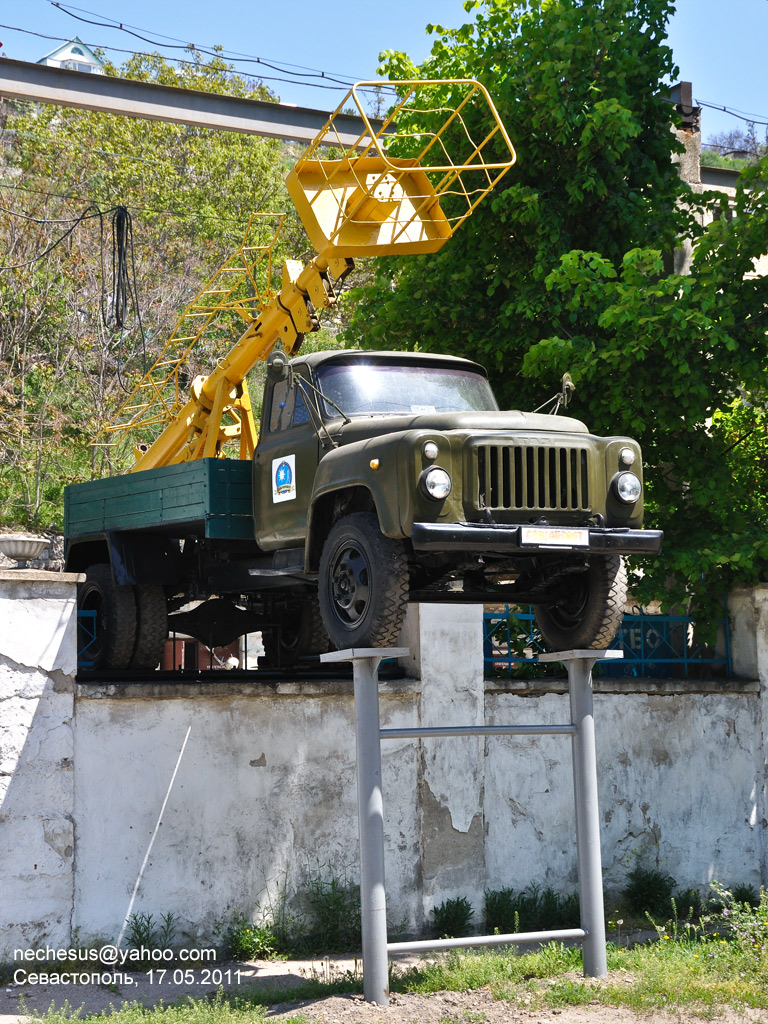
353,355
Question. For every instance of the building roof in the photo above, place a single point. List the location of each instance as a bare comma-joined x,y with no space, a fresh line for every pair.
70,49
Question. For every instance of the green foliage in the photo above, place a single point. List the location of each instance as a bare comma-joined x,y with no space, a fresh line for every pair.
452,918
690,904
244,940
190,191
145,932
745,931
744,893
649,892
576,86
568,268
711,158
533,909
332,911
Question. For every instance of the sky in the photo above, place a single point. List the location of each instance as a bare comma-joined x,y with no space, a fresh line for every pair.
719,45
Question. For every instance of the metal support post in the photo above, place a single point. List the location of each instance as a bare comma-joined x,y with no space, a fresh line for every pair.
581,728
370,810
579,665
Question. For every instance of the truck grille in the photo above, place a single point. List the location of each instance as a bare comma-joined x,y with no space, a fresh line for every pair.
532,477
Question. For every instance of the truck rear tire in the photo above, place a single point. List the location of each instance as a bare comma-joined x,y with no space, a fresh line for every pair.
363,584
587,612
115,618
151,626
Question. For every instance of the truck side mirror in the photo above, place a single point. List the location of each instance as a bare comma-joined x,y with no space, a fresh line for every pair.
277,366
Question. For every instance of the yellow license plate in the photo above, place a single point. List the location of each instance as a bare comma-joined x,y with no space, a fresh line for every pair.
555,536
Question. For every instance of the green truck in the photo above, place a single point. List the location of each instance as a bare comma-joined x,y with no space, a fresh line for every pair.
379,478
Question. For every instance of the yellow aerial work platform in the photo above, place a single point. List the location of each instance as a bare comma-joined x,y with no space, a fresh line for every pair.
371,201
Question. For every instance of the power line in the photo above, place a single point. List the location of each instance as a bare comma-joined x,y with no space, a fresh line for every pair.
178,44
144,209
85,215
175,60
40,220
733,113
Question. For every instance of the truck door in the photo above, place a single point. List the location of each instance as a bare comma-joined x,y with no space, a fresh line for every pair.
284,467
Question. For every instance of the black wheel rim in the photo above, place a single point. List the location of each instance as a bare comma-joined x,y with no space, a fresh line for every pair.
569,612
350,585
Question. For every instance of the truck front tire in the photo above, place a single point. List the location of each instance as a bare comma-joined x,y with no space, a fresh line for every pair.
587,612
363,584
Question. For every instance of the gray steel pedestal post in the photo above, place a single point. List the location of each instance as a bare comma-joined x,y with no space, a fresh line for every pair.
579,665
370,810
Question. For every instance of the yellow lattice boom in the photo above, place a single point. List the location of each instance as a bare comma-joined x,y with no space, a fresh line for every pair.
235,296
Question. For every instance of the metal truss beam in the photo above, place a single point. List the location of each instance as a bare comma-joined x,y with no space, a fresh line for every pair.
22,80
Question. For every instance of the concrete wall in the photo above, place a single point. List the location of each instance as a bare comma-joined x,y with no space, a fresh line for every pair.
201,798
37,840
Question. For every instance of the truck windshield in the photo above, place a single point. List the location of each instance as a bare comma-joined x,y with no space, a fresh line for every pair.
363,389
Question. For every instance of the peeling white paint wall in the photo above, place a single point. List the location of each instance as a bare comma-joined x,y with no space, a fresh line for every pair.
676,782
265,788
37,840
255,785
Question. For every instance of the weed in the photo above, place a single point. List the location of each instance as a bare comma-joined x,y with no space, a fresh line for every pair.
690,903
333,911
452,918
245,940
649,891
144,932
745,931
534,909
744,893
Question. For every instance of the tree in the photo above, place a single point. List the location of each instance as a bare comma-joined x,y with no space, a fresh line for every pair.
576,85
568,269
679,361
735,148
64,358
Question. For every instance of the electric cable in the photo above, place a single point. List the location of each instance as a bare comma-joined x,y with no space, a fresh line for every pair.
733,113
180,60
85,215
178,44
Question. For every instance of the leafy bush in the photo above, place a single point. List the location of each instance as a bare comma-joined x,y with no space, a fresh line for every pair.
245,940
452,918
745,893
689,903
745,931
649,891
533,909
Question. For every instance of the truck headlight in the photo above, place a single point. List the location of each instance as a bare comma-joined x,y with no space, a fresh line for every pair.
628,488
435,483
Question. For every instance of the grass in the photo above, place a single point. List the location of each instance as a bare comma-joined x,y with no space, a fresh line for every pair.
699,968
692,971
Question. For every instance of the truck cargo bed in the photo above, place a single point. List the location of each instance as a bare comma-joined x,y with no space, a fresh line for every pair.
209,497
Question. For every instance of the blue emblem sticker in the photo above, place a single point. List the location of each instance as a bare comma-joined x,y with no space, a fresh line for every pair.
284,478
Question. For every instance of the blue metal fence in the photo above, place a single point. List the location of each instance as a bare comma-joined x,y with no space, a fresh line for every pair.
86,636
653,645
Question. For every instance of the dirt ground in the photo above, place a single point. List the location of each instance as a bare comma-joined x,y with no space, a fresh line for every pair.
19,1002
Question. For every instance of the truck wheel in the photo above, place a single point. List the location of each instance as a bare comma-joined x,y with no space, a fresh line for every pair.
151,626
588,612
113,623
363,585
301,632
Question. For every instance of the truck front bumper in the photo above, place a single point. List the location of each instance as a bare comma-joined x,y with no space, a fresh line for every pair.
522,540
